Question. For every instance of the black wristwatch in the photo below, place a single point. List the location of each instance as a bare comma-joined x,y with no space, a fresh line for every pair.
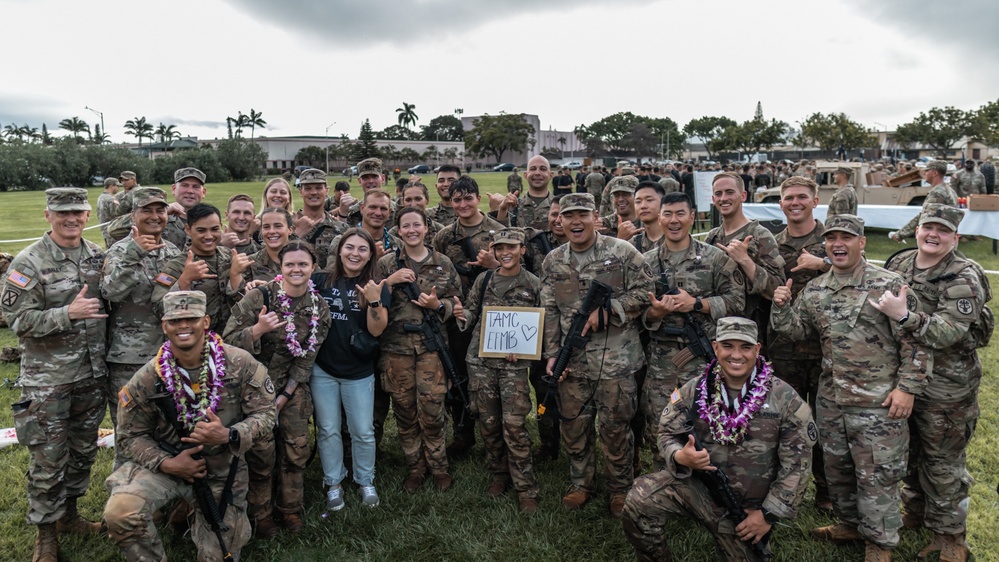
770,518
698,305
233,436
375,304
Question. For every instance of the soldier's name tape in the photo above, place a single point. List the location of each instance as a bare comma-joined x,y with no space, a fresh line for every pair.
39,237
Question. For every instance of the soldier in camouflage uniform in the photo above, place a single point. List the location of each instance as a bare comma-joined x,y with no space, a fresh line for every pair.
767,465
188,190
533,206
411,373
799,363
124,197
606,199
466,243
499,387
513,181
871,373
648,200
258,326
750,245
540,242
951,293
51,298
968,181
844,200
417,195
376,212
106,206
371,176
941,193
131,270
215,271
313,223
622,222
594,183
152,477
239,215
5,260
275,228
600,379
709,286
444,211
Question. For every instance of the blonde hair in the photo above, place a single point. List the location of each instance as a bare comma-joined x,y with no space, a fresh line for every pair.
289,206
799,181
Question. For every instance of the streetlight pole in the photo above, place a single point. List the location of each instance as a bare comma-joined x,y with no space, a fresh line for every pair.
328,146
101,115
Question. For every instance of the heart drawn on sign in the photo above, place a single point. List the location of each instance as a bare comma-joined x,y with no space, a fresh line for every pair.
529,332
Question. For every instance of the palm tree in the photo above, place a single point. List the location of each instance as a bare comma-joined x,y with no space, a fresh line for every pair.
166,133
11,131
139,128
76,126
254,120
239,123
30,132
99,137
407,115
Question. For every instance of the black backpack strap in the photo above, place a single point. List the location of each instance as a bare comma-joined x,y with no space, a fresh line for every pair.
482,290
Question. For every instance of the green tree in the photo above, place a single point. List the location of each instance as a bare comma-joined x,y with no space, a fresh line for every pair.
139,128
711,131
314,156
396,132
238,123
407,115
243,160
627,134
76,126
939,129
496,134
984,125
753,135
365,147
255,119
829,132
47,138
443,127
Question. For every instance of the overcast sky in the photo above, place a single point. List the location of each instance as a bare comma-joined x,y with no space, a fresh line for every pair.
306,64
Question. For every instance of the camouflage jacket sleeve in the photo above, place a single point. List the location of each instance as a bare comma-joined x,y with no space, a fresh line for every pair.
674,427
794,319
959,305
553,325
26,308
915,360
939,194
257,399
729,295
472,304
840,203
633,299
172,268
798,435
141,422
763,249
123,270
239,328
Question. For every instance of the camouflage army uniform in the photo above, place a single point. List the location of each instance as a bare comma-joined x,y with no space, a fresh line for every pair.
387,242
499,390
441,214
967,183
608,224
799,363
412,374
769,469
864,357
514,182
843,202
62,371
262,268
594,184
134,332
941,194
106,206
251,247
539,244
125,201
949,299
769,271
174,232
532,213
321,234
604,372
220,295
703,271
643,244
292,426
138,488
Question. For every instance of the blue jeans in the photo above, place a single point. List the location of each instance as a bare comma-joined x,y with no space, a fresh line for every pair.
358,399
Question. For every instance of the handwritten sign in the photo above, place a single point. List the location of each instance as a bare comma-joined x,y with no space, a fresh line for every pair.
702,187
511,329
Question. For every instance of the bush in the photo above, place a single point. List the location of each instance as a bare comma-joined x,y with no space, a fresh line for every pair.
64,163
243,160
204,159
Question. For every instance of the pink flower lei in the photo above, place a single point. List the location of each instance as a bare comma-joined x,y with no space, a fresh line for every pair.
206,389
291,336
731,429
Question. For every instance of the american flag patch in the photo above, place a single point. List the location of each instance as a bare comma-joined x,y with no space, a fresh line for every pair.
675,396
165,280
18,278
124,397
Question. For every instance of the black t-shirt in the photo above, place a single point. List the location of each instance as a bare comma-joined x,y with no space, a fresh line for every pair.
335,356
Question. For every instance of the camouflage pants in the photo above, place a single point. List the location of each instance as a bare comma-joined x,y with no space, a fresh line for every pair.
137,493
548,423
118,376
501,399
59,425
661,379
613,400
938,481
417,386
287,482
656,498
865,457
803,376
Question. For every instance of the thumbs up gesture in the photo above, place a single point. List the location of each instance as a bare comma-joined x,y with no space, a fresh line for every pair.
83,308
459,310
782,294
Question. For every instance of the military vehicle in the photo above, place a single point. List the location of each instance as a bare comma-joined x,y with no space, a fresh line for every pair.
866,194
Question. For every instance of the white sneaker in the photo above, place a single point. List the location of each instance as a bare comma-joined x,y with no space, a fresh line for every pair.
334,498
369,496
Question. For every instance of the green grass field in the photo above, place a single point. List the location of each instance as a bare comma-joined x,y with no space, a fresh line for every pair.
463,524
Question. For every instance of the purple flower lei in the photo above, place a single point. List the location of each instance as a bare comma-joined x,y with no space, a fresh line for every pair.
208,386
291,336
726,429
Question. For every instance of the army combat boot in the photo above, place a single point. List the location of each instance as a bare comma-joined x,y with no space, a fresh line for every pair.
73,523
875,553
46,544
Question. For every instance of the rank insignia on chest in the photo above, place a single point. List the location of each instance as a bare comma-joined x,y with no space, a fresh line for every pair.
675,396
165,280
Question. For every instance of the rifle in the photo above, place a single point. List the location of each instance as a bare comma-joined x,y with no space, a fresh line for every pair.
721,492
698,343
597,296
202,491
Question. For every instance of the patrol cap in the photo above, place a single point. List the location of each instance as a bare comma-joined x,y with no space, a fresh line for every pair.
509,236
369,166
734,328
627,170
938,165
844,170
626,184
108,182
577,202
184,173
851,224
66,199
144,196
184,304
127,175
942,214
312,175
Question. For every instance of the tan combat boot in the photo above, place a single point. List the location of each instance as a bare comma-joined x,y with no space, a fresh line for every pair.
838,533
875,553
46,544
73,523
954,549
